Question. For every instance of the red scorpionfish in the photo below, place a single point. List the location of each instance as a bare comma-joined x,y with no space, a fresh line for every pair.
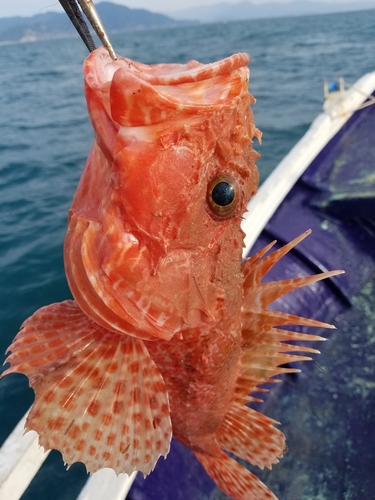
169,331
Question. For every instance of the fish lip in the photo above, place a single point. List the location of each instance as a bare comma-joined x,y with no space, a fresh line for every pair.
163,74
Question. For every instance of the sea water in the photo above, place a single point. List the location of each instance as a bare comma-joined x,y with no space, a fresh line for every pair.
45,137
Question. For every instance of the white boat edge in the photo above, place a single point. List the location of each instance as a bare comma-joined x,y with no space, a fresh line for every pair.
272,192
20,459
21,456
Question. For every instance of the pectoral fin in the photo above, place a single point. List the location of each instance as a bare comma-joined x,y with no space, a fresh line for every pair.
99,397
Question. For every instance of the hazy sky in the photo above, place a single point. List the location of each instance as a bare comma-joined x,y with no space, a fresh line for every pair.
30,7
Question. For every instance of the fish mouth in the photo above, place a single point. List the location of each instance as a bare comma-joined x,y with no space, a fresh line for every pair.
136,94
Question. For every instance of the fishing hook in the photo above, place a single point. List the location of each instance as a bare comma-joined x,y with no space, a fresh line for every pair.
71,7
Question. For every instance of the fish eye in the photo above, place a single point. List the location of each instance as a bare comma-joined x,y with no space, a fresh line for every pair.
222,195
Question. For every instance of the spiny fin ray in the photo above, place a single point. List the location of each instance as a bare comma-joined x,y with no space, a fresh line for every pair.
265,347
266,293
255,271
267,319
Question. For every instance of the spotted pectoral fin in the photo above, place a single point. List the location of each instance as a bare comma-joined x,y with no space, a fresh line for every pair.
232,478
99,397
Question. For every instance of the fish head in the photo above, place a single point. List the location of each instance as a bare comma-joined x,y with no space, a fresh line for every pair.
154,240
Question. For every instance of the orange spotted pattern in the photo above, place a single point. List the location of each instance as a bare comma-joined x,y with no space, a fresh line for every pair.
251,436
99,398
233,479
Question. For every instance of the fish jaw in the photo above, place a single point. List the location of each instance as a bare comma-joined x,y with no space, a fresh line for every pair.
143,247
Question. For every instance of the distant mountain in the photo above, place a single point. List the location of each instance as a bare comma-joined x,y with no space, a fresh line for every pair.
224,11
120,18
57,25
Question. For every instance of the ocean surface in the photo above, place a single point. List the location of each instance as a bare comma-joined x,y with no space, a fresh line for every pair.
45,137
